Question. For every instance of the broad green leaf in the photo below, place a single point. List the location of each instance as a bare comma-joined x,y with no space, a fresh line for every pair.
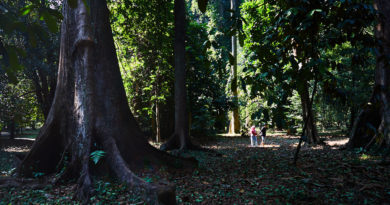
313,11
27,9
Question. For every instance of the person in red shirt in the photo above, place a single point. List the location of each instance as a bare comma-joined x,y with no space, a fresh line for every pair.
253,134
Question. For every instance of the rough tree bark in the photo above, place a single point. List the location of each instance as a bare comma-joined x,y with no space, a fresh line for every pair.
307,113
90,111
180,138
235,124
373,121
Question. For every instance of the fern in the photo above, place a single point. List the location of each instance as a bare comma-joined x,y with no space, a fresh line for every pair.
96,155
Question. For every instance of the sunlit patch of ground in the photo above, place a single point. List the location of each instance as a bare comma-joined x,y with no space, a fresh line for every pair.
155,144
25,138
229,135
337,142
266,146
16,149
16,145
317,147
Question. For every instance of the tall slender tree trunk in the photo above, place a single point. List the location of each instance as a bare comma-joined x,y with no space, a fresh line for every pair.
158,126
180,138
307,113
157,110
311,132
373,121
352,107
90,110
12,128
45,84
235,118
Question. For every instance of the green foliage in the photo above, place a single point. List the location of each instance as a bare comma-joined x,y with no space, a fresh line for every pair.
212,75
288,44
22,19
143,33
17,103
28,59
346,87
207,100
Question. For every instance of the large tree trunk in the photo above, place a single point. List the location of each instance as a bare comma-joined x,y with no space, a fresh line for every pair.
373,121
235,124
180,138
307,113
89,110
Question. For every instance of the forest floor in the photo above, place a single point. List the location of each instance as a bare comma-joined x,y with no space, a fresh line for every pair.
239,174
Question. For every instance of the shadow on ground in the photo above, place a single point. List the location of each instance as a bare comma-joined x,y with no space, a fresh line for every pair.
241,174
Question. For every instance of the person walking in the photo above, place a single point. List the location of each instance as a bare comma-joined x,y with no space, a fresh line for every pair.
263,134
253,134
